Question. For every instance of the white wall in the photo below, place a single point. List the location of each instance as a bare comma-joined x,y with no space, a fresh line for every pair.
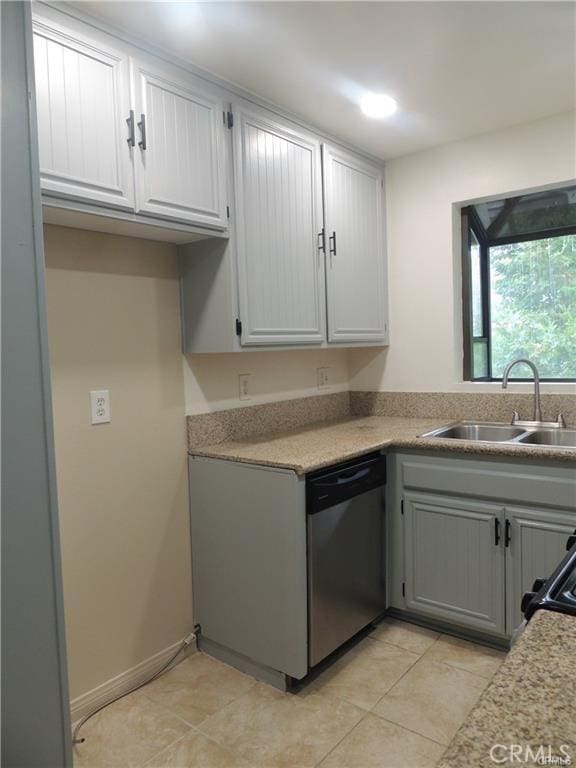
211,381
425,352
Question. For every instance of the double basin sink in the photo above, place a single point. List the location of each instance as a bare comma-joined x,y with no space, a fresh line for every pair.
485,432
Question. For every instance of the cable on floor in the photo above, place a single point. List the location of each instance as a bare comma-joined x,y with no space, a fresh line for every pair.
185,643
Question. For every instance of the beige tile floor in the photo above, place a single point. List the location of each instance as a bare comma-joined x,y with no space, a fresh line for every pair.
395,700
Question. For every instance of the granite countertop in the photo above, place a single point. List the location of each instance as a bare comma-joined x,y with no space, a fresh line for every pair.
324,443
530,701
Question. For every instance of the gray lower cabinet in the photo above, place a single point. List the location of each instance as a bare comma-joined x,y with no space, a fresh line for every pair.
454,565
248,531
470,536
537,543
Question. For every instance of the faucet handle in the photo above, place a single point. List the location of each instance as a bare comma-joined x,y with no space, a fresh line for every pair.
560,420
515,417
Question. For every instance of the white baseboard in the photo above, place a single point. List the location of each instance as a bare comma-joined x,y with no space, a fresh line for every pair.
88,701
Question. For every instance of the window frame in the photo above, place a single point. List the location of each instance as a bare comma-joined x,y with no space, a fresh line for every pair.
470,222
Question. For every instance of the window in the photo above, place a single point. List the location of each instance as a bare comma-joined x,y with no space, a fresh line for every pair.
519,285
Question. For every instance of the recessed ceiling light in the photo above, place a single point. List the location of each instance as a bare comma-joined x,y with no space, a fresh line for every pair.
378,105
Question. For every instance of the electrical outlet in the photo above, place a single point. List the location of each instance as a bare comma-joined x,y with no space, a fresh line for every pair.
244,386
323,377
100,406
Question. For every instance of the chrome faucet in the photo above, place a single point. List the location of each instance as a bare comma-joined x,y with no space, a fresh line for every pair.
537,418
530,364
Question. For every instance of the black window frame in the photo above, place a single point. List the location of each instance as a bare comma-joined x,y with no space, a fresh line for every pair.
471,222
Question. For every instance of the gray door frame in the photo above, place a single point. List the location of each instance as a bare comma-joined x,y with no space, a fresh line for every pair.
35,704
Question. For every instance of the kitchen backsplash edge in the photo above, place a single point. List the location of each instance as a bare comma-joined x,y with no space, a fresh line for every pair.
262,419
256,420
452,406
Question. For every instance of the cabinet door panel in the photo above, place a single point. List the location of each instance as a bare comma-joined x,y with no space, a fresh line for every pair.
454,568
278,202
180,172
356,267
537,544
82,92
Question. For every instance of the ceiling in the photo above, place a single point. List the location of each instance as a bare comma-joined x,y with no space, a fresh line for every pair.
456,68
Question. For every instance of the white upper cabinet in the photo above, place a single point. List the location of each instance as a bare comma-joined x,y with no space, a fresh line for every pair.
279,213
120,128
179,147
355,252
83,99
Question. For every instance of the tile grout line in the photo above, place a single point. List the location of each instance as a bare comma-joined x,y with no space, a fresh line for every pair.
319,763
437,661
462,669
411,730
197,728
172,743
369,711
192,726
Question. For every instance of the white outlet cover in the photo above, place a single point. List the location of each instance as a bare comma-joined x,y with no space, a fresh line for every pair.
323,377
244,386
100,406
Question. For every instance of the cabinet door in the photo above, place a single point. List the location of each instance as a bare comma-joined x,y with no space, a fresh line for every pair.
83,96
356,259
537,543
278,203
180,148
454,567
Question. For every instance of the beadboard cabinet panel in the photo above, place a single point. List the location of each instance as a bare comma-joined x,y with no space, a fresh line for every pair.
450,560
83,97
126,134
278,207
454,563
179,148
536,545
356,268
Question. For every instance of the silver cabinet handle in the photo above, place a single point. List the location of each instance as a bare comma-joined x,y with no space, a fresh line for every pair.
322,241
142,127
332,241
131,134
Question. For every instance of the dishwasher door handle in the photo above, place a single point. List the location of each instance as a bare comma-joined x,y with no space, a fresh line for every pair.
344,478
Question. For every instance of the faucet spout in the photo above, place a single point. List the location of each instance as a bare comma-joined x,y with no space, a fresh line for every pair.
530,364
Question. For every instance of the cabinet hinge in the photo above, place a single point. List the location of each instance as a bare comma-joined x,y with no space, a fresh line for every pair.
227,211
229,120
403,589
238,327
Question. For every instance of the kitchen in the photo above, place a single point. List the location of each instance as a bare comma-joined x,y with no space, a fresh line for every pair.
302,298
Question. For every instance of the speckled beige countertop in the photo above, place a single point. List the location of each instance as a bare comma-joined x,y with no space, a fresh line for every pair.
320,445
531,700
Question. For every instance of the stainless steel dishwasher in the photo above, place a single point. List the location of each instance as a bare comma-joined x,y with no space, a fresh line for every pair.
346,561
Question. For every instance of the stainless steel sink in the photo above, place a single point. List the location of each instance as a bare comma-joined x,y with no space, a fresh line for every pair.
477,431
494,432
556,438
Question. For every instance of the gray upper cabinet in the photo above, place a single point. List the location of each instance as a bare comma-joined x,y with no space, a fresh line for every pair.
355,257
536,544
454,566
